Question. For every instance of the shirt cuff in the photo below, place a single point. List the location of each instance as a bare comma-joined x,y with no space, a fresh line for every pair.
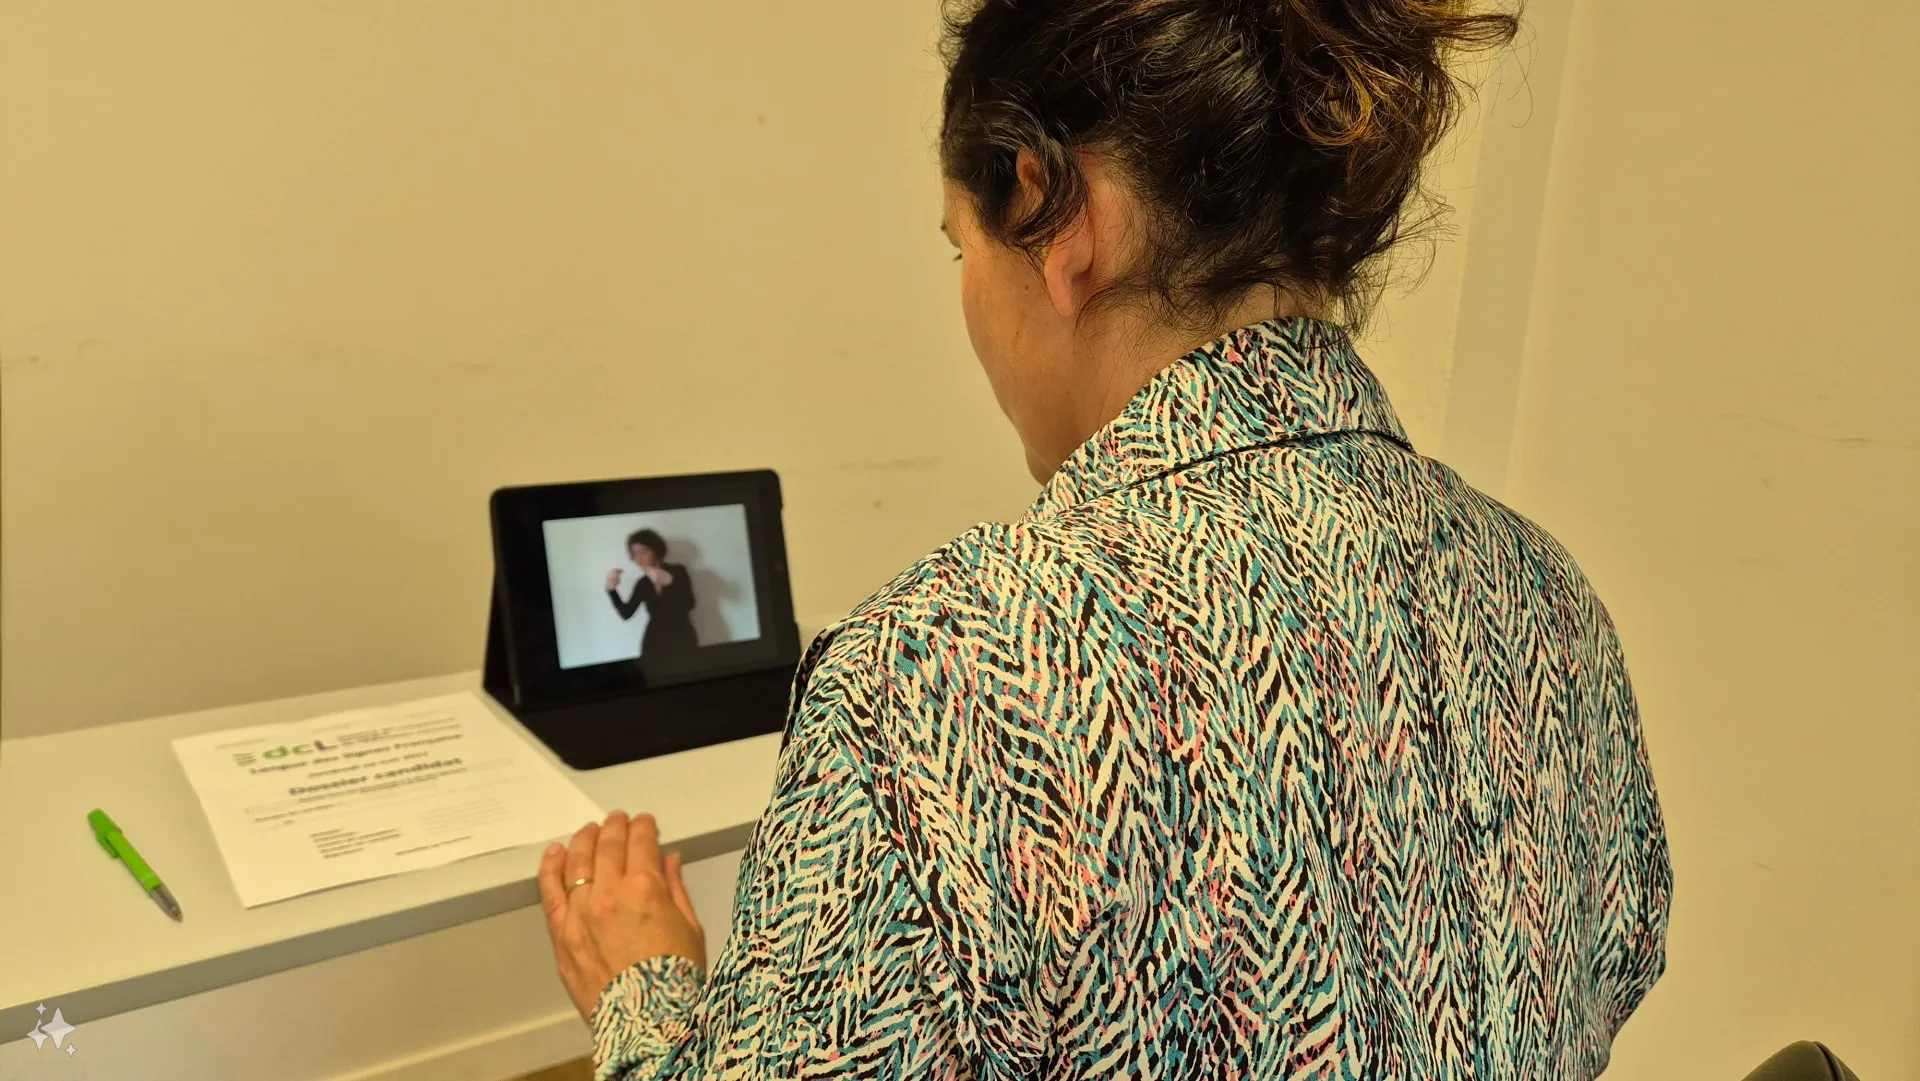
643,1015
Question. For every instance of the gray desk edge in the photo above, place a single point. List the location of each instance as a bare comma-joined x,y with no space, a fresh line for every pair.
152,988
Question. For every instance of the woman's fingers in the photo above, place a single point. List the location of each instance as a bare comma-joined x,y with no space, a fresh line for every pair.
580,857
553,892
553,901
610,853
643,845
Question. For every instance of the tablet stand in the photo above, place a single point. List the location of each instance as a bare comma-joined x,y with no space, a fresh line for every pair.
642,724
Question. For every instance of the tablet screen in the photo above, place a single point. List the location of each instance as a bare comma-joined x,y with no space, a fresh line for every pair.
654,586
609,587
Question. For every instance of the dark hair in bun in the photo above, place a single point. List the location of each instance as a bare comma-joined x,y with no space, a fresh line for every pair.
1275,142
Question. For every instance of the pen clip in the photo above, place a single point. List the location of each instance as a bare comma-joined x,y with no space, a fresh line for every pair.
102,826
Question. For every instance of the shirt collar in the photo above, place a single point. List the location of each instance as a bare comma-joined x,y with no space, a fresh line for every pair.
1268,383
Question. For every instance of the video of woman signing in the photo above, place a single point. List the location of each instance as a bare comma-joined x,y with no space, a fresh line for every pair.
658,585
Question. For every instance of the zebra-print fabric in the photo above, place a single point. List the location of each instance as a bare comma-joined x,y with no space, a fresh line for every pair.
1261,747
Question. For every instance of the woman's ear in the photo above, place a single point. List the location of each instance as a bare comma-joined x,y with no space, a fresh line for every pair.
1067,265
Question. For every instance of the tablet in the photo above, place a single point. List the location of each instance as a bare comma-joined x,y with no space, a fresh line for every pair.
624,587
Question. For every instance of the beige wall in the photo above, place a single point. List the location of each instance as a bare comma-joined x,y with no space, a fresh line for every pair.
1721,417
289,288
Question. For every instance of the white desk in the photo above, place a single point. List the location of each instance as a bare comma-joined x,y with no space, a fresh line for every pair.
76,931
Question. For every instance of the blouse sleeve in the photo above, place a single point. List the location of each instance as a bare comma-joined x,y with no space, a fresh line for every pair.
830,953
1635,867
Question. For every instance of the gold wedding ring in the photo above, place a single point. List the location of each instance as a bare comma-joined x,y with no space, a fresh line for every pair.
577,883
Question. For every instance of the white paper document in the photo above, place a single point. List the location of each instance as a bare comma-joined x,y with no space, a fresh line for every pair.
372,792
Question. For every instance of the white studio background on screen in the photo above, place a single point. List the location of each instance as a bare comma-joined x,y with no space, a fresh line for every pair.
711,542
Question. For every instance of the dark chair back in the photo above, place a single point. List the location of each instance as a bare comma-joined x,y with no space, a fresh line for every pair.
1803,1061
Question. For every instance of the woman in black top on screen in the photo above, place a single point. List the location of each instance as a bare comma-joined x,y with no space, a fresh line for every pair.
666,590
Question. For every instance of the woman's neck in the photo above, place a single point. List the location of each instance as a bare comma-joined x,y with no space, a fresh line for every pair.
1122,354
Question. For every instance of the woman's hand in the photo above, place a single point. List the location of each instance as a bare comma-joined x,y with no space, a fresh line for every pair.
613,578
662,577
632,906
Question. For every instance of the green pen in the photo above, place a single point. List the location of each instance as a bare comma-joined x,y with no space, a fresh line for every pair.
120,848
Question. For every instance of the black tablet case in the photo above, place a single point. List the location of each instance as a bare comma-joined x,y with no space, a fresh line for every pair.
642,724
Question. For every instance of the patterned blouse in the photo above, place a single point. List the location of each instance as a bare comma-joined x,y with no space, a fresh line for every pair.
1261,747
